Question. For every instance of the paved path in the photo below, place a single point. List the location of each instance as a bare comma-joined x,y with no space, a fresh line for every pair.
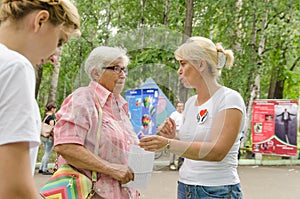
258,182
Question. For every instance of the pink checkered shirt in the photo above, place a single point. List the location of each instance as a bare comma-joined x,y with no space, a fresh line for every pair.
78,123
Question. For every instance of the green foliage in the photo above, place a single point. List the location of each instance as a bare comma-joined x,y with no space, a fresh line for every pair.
292,84
139,26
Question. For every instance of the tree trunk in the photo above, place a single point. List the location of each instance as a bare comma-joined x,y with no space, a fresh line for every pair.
276,84
255,87
166,12
54,78
254,95
237,34
278,94
272,85
188,28
120,26
166,21
38,78
54,82
188,24
108,16
143,4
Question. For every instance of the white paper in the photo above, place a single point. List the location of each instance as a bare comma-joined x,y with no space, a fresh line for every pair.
141,162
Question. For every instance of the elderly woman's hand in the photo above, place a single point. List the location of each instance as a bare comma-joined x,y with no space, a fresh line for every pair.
153,143
122,173
168,129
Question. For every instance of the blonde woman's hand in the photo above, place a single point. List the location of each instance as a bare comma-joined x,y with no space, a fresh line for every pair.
153,143
168,129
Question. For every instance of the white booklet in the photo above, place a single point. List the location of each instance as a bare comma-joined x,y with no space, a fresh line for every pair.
141,162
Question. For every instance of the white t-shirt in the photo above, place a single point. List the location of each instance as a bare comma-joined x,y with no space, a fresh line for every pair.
208,173
285,116
19,113
177,117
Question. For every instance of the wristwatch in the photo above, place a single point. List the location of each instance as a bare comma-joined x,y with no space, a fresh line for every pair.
168,144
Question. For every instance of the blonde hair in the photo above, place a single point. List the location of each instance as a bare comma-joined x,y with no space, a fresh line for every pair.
196,49
60,11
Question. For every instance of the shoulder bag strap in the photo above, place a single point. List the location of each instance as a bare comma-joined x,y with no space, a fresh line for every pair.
45,118
96,150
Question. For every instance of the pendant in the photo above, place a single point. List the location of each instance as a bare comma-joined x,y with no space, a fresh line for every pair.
202,116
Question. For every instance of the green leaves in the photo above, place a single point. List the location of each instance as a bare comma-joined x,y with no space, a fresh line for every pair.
152,30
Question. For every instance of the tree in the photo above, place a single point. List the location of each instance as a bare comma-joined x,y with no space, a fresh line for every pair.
264,36
54,78
188,28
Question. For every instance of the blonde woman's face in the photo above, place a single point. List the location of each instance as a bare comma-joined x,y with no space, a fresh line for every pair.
188,74
52,37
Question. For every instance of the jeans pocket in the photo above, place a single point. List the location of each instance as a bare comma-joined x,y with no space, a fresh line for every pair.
226,191
185,191
216,191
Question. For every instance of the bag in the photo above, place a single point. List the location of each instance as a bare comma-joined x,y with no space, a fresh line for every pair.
46,129
68,183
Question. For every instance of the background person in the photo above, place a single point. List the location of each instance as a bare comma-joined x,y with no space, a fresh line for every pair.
286,118
177,117
77,125
30,31
48,141
213,120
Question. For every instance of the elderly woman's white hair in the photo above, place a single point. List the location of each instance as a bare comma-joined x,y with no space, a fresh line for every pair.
104,56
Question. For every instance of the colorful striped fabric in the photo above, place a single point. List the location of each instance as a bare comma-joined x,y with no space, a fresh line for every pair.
67,183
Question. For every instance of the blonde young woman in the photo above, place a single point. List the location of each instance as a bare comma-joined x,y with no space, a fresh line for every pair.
30,31
213,120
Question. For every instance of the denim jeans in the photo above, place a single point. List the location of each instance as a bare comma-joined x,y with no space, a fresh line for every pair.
48,146
209,192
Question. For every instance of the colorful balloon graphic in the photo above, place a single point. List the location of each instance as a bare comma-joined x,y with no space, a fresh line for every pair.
152,110
146,121
137,103
146,102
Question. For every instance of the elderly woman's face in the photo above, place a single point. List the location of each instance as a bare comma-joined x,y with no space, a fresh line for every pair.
113,77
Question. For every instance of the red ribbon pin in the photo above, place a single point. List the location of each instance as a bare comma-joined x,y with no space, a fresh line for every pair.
202,115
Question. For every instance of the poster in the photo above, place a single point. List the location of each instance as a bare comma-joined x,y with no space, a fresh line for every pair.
274,127
134,99
142,110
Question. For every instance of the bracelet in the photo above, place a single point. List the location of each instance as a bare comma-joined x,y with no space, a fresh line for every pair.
168,145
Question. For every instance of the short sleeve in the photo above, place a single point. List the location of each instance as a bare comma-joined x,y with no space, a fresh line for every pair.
74,118
49,118
19,113
232,99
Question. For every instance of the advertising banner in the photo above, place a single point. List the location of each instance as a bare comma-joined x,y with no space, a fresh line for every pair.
274,127
142,110
134,99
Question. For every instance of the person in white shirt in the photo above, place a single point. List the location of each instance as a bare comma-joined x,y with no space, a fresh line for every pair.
30,31
213,120
177,117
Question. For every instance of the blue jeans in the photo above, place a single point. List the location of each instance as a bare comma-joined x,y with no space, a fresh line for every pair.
48,146
209,192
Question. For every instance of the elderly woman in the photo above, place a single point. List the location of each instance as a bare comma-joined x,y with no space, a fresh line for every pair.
30,31
76,129
213,120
